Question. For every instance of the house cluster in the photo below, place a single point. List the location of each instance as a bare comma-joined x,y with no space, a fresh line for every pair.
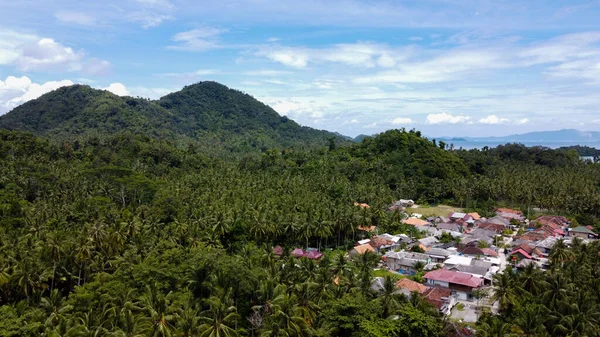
459,254
533,246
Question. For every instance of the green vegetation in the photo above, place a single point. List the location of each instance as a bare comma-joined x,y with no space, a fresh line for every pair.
206,115
167,228
563,301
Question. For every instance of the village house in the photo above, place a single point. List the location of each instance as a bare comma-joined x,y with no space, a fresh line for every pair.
498,220
429,241
361,249
559,221
407,286
437,255
415,222
379,243
510,214
404,262
440,298
581,232
460,284
450,226
545,245
525,251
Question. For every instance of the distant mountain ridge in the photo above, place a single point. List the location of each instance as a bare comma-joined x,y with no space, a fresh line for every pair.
208,112
564,135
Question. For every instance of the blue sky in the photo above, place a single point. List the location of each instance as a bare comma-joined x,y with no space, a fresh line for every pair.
449,68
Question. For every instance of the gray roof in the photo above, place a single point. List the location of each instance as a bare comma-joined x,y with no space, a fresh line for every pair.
547,243
581,229
482,233
449,226
481,263
430,240
470,269
407,255
438,252
499,220
377,284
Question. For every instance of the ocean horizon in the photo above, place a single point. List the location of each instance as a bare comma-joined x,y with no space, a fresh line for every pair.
473,144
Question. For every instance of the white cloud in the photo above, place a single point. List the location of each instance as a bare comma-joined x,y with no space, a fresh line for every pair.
401,121
199,39
272,39
77,18
47,54
445,118
17,90
156,3
149,19
265,72
371,126
360,54
596,121
493,119
118,89
284,107
152,93
31,53
523,121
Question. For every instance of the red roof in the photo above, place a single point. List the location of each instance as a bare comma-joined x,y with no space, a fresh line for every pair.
437,296
278,250
314,255
522,252
508,210
454,277
378,242
298,252
489,252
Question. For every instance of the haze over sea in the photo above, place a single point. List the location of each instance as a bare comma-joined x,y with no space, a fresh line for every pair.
473,144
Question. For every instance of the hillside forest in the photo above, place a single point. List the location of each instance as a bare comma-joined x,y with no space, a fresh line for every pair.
127,234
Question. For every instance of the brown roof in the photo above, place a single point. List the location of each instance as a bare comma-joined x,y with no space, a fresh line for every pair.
437,296
489,252
527,248
508,210
364,248
415,222
475,215
362,205
492,227
366,229
470,250
411,285
550,219
377,242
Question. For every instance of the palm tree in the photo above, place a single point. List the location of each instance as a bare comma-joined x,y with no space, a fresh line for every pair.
532,280
218,319
157,307
286,318
53,249
504,290
559,254
388,298
54,307
530,320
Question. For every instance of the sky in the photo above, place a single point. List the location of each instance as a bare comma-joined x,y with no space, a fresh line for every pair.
447,67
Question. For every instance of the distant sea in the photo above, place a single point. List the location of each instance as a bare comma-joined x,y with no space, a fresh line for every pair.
468,144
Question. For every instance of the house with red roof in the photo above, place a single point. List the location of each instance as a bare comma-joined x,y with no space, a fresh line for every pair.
298,252
510,214
525,251
461,284
440,298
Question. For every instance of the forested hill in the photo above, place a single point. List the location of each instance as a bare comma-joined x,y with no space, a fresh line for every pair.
207,112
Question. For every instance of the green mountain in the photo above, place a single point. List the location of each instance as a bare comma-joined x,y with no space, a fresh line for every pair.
207,112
